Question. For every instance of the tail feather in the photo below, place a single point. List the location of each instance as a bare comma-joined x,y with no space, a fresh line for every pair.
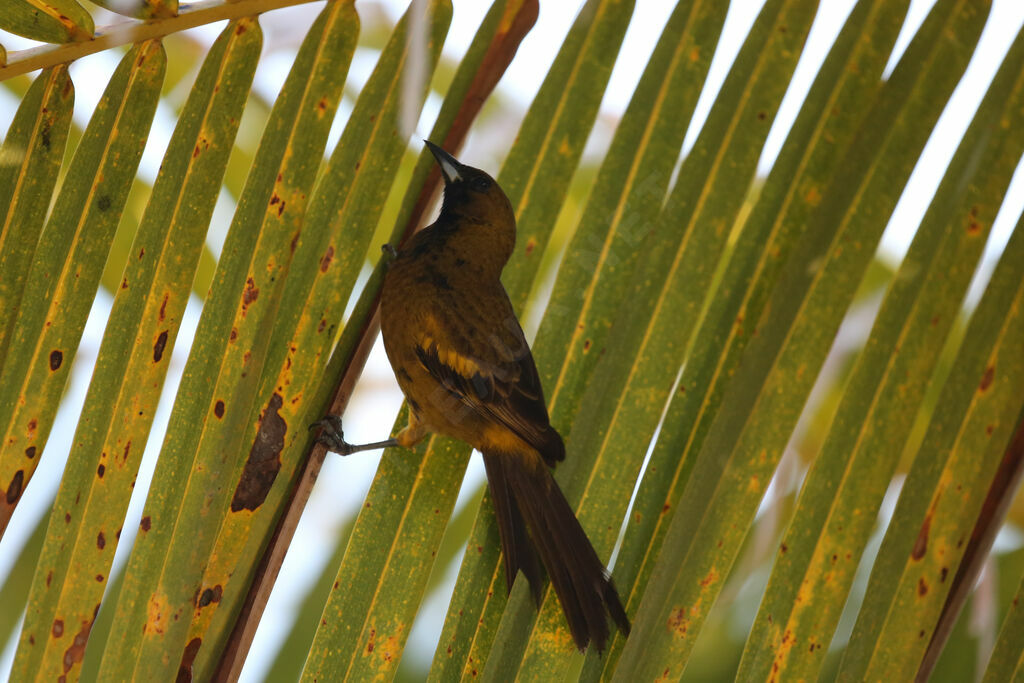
517,552
581,583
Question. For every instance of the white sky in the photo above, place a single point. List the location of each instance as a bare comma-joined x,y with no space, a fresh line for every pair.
372,411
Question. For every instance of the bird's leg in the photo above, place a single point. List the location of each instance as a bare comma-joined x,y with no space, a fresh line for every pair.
412,433
332,436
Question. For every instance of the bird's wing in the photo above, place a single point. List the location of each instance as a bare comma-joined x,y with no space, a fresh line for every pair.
496,377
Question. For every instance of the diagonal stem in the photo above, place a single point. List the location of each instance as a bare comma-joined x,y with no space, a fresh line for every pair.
133,31
993,511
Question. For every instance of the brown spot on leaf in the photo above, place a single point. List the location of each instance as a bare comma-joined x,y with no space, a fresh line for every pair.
188,658
163,307
76,652
58,628
531,244
922,587
943,573
211,595
264,460
158,347
145,523
677,621
14,488
56,358
986,379
921,544
101,541
325,262
973,227
586,345
250,293
30,452
218,409
101,470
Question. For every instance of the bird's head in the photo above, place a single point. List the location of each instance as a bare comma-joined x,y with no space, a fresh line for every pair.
474,198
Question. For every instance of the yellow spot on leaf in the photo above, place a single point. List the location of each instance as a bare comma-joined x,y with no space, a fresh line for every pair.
156,615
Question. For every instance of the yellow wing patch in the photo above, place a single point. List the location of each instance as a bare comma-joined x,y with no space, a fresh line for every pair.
463,365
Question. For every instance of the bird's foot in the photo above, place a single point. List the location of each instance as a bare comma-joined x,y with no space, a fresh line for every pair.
332,435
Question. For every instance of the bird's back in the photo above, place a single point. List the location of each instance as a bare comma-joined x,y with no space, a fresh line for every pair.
460,354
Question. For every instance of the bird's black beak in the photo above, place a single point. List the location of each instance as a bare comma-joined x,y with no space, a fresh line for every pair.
451,169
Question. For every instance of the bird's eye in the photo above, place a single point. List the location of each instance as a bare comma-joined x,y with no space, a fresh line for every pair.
481,183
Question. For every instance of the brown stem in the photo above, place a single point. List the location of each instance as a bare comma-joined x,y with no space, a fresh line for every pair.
133,31
1000,494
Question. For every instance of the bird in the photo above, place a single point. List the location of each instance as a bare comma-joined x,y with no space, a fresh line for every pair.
461,359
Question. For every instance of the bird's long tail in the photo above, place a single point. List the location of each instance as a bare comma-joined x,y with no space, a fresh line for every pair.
524,491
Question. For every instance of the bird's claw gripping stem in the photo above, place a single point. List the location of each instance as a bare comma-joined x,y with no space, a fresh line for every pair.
332,436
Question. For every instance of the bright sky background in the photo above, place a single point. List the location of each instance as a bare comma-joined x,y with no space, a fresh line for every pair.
343,482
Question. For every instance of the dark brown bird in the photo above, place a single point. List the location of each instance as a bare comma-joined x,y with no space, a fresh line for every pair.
465,367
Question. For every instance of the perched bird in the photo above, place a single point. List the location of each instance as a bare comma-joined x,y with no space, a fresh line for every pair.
464,365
